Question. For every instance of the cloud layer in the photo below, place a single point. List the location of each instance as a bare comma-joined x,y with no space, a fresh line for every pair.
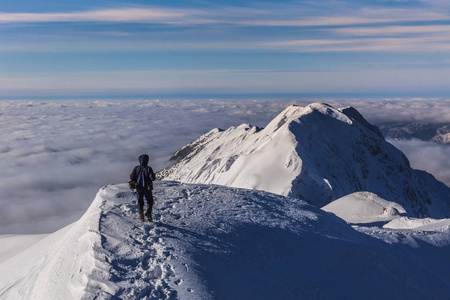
55,156
428,156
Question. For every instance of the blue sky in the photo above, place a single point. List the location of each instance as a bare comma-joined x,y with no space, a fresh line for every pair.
149,48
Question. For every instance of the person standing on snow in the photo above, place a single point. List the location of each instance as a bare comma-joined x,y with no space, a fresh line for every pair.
143,175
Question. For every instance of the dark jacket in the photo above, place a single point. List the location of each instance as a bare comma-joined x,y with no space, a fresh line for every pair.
143,174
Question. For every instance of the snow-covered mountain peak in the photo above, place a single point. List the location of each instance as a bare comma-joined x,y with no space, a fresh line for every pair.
353,114
295,113
291,113
327,110
316,153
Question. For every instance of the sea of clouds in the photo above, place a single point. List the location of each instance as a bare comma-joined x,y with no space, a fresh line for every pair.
56,155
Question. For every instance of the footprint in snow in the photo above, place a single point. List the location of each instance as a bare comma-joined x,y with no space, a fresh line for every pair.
122,194
186,266
156,273
185,193
146,258
170,271
152,239
125,208
178,282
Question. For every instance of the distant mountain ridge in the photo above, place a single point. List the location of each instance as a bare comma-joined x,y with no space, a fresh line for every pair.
436,132
316,153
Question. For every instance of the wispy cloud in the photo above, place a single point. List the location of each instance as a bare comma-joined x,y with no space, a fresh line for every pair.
126,14
282,15
409,44
425,43
393,30
347,20
338,29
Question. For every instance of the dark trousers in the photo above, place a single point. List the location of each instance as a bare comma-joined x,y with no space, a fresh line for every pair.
141,191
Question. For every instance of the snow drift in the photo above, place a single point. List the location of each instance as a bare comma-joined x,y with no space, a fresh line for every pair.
215,242
364,207
316,153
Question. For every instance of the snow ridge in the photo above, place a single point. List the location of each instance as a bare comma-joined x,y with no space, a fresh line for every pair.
215,242
316,153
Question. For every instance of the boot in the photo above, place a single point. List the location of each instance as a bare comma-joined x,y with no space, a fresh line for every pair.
141,212
148,213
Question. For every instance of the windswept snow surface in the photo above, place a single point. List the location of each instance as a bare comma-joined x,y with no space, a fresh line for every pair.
315,153
215,242
364,207
420,238
13,244
426,224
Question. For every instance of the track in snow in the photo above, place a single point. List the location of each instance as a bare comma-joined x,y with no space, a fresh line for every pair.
142,259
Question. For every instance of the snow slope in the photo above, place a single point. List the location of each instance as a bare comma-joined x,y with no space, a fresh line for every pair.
215,242
367,209
425,224
364,207
12,244
316,153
